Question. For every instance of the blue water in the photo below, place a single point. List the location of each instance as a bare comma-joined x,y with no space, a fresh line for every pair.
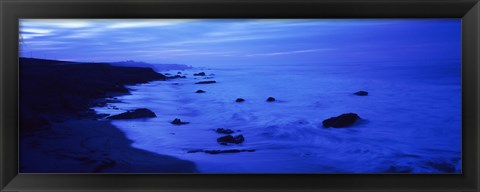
411,119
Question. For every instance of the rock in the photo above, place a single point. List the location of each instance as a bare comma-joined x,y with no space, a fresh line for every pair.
179,73
344,120
199,74
205,82
178,122
167,74
214,152
177,77
361,93
231,139
133,114
200,91
270,99
239,100
224,131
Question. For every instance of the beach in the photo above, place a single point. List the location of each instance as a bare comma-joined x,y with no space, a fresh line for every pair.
68,137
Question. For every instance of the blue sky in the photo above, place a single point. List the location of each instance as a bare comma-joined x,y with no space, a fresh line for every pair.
241,41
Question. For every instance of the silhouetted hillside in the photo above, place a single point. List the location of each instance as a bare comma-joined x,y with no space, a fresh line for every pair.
60,87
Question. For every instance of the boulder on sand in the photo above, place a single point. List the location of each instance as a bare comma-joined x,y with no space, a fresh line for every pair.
361,93
177,121
200,91
231,139
344,120
224,131
205,82
133,114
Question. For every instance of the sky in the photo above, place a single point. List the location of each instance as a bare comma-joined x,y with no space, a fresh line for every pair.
212,42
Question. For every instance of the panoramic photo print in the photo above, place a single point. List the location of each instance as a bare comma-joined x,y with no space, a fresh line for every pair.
239,96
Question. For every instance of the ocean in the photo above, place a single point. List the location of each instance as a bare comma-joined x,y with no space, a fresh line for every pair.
410,120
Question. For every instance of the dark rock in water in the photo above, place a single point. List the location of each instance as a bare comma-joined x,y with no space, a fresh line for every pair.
133,114
344,120
179,72
177,77
167,74
214,152
270,99
199,74
205,82
200,91
178,122
231,139
239,100
224,131
361,93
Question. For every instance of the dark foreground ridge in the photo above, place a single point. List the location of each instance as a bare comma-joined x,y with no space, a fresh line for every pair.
57,124
59,87
214,152
133,114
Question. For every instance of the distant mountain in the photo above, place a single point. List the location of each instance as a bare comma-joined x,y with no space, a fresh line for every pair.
156,67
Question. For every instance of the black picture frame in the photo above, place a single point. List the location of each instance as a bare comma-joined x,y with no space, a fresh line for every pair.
12,10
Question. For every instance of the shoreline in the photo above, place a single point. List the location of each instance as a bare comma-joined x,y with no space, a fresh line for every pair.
68,137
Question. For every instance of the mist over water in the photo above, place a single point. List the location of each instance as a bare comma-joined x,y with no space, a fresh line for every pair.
411,119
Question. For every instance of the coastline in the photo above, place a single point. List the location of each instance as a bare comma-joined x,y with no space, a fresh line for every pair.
59,133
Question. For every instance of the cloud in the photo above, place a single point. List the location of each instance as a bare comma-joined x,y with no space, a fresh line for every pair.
57,23
217,53
35,30
290,52
29,33
217,40
120,24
